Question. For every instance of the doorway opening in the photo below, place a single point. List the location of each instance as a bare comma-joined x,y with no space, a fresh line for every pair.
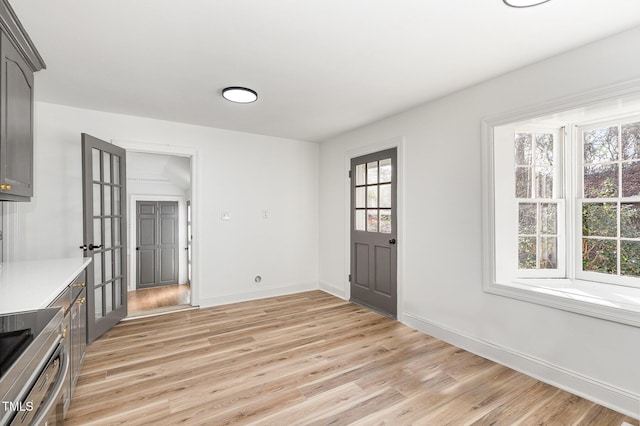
159,190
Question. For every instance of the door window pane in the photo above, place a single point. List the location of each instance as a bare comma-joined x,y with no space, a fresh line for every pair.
95,164
385,170
117,266
106,171
360,197
118,293
98,302
108,271
116,201
360,220
97,197
385,221
372,220
97,231
107,233
385,196
107,200
372,172
108,297
116,169
116,231
372,196
360,174
97,268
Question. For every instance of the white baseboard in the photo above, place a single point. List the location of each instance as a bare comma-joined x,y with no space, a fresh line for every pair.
257,294
333,290
601,393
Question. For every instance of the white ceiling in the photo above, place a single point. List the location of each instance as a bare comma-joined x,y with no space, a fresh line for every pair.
321,67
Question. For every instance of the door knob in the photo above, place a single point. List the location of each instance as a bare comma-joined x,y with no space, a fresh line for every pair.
392,241
83,247
92,247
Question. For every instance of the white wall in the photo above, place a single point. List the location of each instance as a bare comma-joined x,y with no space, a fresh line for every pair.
440,264
239,172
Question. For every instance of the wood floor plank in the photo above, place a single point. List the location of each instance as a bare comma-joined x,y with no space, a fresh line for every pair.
304,359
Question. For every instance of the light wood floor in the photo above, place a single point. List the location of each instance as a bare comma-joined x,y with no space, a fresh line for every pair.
157,299
305,359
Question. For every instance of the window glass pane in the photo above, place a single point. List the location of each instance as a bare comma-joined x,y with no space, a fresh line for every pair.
97,268
601,181
97,197
360,220
385,221
544,182
372,220
385,195
599,256
98,302
116,201
385,170
523,182
548,219
599,219
631,179
372,196
106,171
107,233
360,174
97,231
548,253
631,141
544,149
95,164
630,220
601,145
527,218
527,253
108,297
372,172
116,231
107,199
116,169
108,266
630,258
361,197
523,149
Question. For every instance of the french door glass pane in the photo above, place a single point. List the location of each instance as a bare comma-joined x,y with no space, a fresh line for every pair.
372,172
360,174
118,293
108,297
108,273
97,231
360,220
97,210
116,201
385,196
95,160
385,170
106,171
107,233
361,197
372,220
116,231
98,302
107,200
385,221
116,169
97,268
372,196
117,263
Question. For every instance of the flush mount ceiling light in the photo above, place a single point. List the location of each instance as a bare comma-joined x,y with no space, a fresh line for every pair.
523,3
240,95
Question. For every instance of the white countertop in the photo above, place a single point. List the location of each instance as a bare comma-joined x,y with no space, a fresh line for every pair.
35,284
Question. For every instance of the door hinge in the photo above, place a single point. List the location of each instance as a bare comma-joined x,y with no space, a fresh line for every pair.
349,174
349,277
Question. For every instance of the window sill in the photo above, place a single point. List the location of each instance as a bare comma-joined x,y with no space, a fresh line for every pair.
605,301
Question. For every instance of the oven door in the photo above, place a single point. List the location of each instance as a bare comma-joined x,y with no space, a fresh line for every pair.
45,401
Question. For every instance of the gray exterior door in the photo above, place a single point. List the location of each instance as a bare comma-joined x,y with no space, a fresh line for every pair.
374,227
156,243
105,233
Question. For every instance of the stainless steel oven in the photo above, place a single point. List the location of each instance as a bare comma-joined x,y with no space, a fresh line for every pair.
33,369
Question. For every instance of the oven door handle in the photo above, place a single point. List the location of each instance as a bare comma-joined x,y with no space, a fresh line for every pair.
46,407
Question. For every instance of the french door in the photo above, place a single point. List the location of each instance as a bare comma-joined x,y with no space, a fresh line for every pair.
374,225
105,233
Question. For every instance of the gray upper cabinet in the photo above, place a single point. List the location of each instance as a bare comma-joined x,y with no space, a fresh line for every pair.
19,61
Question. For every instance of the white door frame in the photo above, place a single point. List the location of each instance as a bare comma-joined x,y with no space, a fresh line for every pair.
181,151
398,143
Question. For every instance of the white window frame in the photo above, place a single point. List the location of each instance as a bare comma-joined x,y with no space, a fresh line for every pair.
573,292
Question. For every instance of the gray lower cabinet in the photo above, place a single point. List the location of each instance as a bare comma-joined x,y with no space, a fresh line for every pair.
19,60
73,303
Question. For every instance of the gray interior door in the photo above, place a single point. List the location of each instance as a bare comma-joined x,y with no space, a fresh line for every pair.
374,227
105,233
156,243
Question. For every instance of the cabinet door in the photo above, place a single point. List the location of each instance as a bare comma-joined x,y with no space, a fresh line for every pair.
78,337
16,125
